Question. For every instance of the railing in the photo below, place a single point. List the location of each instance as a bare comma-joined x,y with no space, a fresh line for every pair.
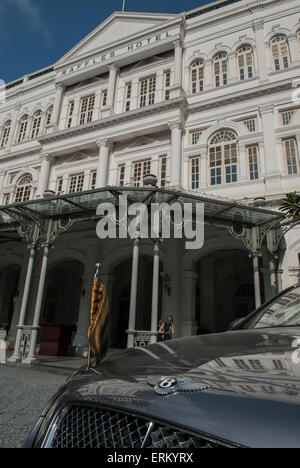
143,338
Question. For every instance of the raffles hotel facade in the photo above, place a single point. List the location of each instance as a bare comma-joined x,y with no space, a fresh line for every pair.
206,101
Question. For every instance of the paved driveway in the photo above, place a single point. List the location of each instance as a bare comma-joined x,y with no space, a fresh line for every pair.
23,395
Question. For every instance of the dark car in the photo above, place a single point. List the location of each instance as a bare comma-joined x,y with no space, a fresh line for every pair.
235,389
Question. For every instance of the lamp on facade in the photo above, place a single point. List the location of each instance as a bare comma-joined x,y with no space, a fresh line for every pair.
150,179
49,194
260,202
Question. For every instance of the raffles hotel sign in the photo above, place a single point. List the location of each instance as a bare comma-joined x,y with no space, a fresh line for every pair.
110,55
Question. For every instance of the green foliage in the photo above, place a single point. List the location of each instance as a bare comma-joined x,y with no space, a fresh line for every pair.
291,206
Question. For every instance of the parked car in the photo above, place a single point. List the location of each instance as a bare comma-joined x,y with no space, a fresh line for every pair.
235,389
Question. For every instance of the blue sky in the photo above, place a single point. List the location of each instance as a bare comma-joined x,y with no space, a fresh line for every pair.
36,33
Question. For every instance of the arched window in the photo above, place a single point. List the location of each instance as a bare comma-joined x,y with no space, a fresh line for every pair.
5,134
24,189
220,63
36,125
280,53
197,77
22,129
223,158
49,114
245,62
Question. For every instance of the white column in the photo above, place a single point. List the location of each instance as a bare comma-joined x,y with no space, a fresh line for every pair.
46,162
188,323
294,50
57,105
262,158
2,177
232,68
38,307
208,75
16,356
105,147
203,169
298,147
159,86
176,153
243,163
256,274
112,84
155,290
135,94
178,63
133,294
258,28
273,175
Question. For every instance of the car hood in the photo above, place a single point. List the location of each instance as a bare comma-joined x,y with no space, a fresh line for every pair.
253,380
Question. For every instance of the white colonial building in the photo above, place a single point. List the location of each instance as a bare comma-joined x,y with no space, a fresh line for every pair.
205,100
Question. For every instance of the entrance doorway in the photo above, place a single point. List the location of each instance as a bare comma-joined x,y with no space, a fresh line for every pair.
225,290
61,307
9,283
121,300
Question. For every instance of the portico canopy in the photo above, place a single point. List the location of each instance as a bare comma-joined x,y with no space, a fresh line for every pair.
83,205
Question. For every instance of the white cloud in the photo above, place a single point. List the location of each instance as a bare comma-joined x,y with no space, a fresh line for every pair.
31,13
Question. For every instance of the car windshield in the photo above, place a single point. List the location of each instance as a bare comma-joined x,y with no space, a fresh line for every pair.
283,312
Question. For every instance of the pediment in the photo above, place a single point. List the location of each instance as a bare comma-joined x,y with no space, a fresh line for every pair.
118,27
80,156
138,143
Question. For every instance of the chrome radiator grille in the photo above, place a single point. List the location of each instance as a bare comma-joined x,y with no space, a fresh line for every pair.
93,427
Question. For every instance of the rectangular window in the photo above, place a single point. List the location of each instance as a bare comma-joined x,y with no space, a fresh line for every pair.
162,171
251,124
253,161
291,155
256,365
5,135
70,114
121,175
286,117
278,364
86,109
195,137
195,173
167,85
36,124
128,95
147,91
22,130
93,180
216,166
76,183
140,170
103,100
59,185
231,169
23,194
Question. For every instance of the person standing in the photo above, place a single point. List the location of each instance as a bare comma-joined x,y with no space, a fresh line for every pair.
167,329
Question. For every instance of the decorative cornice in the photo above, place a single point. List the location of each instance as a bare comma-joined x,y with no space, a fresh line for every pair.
238,97
178,103
249,9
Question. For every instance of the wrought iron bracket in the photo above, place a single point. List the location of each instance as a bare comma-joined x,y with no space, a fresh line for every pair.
277,234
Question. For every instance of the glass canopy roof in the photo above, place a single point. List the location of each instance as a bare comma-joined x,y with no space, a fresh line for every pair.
83,205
